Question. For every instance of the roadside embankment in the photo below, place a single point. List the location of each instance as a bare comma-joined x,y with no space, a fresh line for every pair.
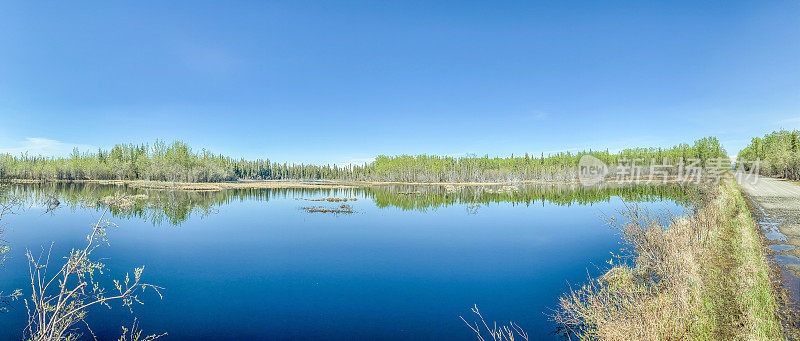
703,276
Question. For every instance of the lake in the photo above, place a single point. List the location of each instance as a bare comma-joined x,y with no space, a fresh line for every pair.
254,264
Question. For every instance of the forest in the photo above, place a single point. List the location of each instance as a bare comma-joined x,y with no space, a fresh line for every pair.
777,153
177,162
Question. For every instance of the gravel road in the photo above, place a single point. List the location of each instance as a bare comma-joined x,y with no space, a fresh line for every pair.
777,210
779,203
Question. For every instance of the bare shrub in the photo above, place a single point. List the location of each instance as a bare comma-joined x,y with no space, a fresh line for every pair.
59,303
135,334
507,332
7,206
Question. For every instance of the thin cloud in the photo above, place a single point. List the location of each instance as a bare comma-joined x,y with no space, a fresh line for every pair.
535,115
539,115
552,152
791,123
356,162
207,59
44,147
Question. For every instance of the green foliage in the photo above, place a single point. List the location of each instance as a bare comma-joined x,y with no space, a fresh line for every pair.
778,152
158,162
177,162
561,166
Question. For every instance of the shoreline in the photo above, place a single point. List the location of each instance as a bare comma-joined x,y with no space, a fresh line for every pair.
716,278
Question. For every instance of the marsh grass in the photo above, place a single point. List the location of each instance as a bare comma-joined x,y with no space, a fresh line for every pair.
704,276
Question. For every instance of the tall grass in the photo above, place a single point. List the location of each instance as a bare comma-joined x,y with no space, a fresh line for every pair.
703,276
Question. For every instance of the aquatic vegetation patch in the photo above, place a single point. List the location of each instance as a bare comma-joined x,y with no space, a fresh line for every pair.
332,199
346,209
122,201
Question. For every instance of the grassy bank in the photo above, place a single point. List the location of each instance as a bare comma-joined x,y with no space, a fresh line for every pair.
702,277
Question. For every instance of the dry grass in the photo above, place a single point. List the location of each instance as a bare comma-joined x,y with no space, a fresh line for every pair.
645,302
704,276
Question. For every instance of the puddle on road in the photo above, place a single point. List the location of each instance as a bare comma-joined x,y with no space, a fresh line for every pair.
780,243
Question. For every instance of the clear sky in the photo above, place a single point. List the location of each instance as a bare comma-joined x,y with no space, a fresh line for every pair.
341,82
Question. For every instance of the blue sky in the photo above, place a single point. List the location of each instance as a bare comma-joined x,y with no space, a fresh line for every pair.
325,82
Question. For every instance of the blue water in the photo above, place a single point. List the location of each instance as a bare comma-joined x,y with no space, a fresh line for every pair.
264,269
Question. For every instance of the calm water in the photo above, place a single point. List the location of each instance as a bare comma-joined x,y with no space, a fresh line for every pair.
250,264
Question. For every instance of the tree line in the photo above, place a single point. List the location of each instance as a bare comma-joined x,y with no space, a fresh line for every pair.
778,154
560,166
177,162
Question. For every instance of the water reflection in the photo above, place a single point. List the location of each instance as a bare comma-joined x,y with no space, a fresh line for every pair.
173,207
403,266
